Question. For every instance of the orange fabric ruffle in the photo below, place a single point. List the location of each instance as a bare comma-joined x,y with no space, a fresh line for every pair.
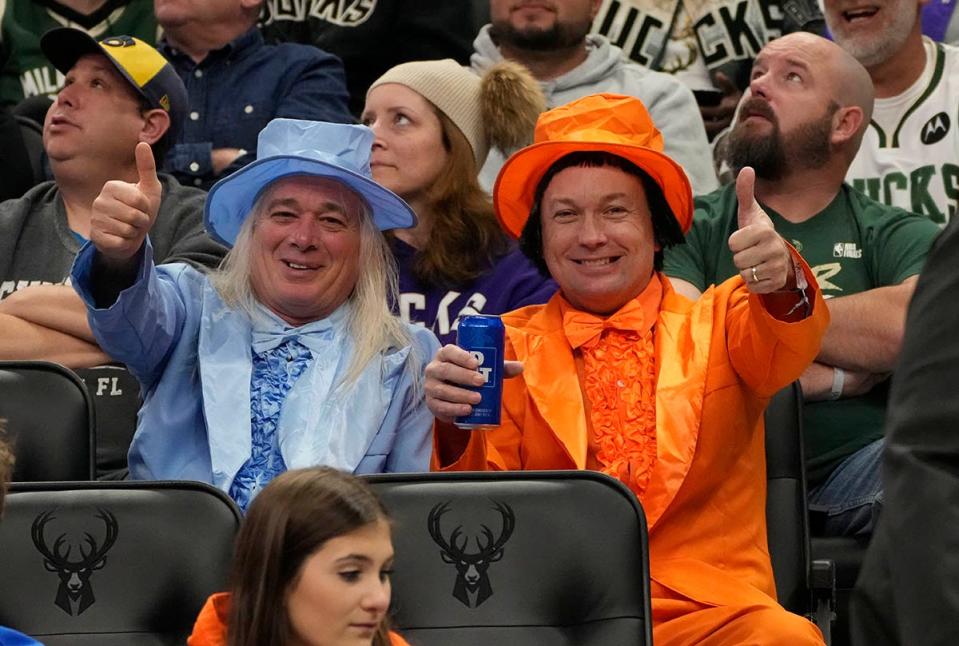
620,383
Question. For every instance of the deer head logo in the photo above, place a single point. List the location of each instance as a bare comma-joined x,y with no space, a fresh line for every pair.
472,585
75,590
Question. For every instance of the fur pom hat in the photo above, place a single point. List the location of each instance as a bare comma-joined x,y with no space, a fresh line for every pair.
498,109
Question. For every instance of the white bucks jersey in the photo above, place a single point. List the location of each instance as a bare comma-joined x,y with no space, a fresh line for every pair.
914,162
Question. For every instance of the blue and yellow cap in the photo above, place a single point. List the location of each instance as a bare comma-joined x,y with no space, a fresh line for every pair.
150,74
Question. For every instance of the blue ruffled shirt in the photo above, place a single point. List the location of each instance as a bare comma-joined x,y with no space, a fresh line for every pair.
274,373
193,356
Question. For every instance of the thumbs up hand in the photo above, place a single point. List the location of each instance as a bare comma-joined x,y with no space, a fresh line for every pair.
123,213
759,253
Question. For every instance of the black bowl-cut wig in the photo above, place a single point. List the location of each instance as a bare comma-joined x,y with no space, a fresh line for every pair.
666,229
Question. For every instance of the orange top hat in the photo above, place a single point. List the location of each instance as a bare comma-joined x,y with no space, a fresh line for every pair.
610,123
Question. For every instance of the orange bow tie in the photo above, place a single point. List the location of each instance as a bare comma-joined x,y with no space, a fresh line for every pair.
584,329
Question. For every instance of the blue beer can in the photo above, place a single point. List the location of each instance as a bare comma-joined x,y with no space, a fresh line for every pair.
483,337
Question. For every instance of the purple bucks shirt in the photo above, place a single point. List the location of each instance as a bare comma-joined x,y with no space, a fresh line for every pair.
512,282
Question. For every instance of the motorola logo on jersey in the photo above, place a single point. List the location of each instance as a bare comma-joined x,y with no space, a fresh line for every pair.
935,129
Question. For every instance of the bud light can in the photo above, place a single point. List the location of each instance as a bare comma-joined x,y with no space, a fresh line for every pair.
483,337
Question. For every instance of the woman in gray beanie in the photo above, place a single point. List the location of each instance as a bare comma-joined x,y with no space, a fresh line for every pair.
434,122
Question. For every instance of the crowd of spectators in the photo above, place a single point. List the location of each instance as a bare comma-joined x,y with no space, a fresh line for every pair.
274,214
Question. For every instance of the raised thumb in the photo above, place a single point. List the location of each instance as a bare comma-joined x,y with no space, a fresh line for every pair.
148,182
745,195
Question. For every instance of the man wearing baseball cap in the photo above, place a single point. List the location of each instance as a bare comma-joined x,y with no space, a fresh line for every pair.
622,375
118,92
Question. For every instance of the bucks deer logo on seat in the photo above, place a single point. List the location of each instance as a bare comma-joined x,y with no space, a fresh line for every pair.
75,593
472,585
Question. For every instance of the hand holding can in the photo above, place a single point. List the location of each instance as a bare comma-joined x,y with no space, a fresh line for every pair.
484,338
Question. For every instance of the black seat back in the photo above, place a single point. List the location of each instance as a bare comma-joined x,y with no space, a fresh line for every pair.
116,401
786,510
520,558
50,421
112,563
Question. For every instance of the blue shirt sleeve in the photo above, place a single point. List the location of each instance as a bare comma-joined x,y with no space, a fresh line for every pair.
10,637
142,326
414,434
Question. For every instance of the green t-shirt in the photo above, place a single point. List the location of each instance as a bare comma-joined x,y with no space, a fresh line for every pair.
26,71
853,245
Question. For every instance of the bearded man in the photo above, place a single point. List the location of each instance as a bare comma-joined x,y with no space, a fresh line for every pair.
808,105
552,39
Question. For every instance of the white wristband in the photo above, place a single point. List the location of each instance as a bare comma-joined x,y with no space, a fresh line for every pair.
838,381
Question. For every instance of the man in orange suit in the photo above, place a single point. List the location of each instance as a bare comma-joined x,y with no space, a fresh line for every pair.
622,375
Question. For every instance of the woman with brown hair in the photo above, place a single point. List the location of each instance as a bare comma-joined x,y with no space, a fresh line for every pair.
434,123
312,567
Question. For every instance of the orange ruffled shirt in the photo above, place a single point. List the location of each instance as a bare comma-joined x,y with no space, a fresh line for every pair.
615,359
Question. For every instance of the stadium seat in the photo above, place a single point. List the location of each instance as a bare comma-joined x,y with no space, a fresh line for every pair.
111,563
521,558
803,586
50,421
848,554
116,401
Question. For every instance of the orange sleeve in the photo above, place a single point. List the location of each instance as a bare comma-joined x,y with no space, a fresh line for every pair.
768,353
495,449
210,626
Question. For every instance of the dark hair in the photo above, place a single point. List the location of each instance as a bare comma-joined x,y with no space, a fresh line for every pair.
465,238
6,464
162,145
666,229
292,518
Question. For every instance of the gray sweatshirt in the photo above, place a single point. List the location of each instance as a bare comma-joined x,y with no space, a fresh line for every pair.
670,103
37,246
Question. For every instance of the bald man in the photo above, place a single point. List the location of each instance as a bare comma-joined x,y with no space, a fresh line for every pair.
800,126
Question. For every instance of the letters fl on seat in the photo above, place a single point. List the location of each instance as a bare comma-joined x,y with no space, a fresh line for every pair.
520,558
115,394
50,421
112,563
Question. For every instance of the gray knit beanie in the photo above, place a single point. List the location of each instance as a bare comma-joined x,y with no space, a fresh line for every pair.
498,109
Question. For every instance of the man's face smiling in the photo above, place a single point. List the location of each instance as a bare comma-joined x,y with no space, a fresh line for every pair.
306,248
873,31
598,238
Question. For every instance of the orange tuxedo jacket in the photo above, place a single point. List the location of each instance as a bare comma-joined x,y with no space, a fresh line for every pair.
719,359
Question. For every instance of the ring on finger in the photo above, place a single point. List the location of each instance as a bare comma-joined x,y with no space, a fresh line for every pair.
754,274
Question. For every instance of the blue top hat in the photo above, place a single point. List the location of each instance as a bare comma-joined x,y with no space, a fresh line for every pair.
288,147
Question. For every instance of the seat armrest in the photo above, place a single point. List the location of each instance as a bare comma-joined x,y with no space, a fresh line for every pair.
822,584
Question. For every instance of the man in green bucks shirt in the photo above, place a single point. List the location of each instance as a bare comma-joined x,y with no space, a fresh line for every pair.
26,72
800,126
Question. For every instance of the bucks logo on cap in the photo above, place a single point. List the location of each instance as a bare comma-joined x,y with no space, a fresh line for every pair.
139,62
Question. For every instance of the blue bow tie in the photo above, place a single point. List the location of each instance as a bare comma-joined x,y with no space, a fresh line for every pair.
264,341
313,335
